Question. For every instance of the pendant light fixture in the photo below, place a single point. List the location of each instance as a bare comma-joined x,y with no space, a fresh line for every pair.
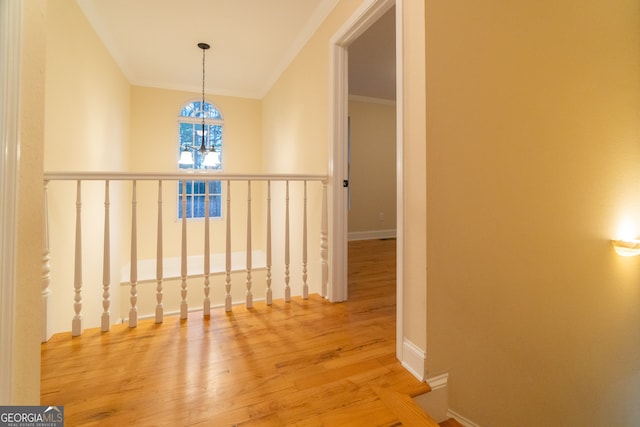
211,156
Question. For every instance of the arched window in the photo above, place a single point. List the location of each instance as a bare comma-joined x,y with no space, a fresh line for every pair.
190,140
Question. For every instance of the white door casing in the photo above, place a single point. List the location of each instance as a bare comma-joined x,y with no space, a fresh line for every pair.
360,21
10,29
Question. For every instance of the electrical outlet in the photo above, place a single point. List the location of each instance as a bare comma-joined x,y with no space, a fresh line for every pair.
381,216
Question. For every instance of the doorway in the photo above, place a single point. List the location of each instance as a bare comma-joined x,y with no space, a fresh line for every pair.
363,18
371,141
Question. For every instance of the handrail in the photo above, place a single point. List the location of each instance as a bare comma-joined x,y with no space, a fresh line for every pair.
190,174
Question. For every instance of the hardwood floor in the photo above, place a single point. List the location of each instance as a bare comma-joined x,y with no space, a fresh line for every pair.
303,363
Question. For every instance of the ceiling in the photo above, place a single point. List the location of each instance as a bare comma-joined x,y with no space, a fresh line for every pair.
372,60
252,42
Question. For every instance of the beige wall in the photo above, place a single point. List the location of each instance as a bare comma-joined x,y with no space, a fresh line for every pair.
87,129
533,166
154,148
372,167
296,111
26,345
154,130
87,115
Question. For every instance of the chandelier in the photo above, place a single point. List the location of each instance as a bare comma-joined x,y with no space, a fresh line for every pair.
210,155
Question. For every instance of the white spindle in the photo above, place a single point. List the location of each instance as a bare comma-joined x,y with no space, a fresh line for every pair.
159,259
269,296
133,276
46,269
76,324
324,241
227,300
183,267
207,301
305,286
287,289
248,248
106,263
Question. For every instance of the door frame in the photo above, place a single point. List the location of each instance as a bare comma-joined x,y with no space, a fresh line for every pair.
10,31
358,23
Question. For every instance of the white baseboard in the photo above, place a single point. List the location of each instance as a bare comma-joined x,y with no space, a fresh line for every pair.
462,420
413,359
436,401
371,235
172,267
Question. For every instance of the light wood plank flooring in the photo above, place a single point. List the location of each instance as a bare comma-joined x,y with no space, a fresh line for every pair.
303,363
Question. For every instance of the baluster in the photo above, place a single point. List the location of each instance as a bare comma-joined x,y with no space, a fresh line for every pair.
106,263
76,324
207,302
133,311
159,259
305,287
287,289
46,269
248,248
227,300
183,267
324,241
269,293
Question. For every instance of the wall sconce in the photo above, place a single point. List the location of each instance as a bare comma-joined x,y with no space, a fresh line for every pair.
627,247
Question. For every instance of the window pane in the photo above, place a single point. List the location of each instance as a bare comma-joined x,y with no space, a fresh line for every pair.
211,112
189,206
186,133
214,207
188,110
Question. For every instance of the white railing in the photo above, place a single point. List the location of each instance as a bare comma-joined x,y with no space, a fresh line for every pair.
205,271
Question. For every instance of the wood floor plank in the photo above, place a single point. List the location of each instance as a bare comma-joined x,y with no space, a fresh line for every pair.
404,407
302,363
